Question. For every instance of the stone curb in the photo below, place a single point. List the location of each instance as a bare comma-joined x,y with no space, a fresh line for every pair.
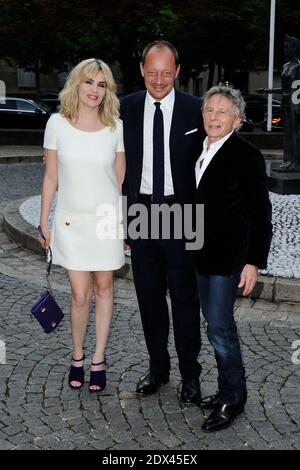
19,154
25,234
274,289
21,159
23,156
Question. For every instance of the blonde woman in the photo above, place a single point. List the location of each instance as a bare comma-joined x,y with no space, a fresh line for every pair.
85,163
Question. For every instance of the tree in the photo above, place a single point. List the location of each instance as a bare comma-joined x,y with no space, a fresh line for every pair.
45,32
133,25
230,33
216,32
30,35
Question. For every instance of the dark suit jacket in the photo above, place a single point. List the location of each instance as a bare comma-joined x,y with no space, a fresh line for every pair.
184,149
237,210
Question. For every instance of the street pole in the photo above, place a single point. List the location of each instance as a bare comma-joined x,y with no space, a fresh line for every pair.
271,63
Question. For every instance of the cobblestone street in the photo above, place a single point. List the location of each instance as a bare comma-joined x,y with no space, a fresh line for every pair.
38,410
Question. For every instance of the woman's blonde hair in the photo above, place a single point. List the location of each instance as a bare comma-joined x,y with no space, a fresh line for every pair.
109,107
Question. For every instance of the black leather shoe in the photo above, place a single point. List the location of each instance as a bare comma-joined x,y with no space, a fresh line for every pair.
190,391
222,417
149,383
210,402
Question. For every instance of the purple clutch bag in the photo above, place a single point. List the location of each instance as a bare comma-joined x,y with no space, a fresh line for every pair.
46,310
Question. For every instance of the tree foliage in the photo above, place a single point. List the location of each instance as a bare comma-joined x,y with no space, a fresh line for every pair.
231,33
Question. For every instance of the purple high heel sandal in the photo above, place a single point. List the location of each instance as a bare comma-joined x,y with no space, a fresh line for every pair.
76,374
98,378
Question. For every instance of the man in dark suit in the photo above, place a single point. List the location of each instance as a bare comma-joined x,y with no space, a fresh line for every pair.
163,138
231,183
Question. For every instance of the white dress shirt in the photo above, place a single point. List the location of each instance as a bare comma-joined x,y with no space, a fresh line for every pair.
207,155
166,105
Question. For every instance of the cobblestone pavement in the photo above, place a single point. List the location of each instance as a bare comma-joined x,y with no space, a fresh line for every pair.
39,411
19,180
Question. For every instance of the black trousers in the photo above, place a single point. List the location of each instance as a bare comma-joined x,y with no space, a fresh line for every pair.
159,265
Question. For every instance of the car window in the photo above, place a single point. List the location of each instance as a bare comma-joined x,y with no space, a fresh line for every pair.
255,99
259,100
43,105
254,103
9,104
25,105
248,99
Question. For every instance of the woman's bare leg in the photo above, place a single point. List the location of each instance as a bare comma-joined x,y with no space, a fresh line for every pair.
103,291
82,291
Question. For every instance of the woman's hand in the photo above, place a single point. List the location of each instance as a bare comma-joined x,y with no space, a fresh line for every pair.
44,236
126,249
48,192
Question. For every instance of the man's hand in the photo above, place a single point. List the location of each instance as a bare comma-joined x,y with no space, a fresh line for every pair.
248,278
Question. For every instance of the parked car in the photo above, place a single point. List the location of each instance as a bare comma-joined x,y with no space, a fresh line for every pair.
277,121
23,113
257,106
50,98
247,125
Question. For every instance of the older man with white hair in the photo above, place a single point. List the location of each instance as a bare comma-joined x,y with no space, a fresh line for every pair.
231,183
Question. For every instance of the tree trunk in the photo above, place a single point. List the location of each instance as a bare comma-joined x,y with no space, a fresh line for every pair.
219,73
132,80
38,79
130,63
211,75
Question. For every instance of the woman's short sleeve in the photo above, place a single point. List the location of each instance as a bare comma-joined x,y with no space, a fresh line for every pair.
120,144
50,136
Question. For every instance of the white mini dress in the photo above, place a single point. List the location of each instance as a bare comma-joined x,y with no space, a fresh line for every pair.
87,231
